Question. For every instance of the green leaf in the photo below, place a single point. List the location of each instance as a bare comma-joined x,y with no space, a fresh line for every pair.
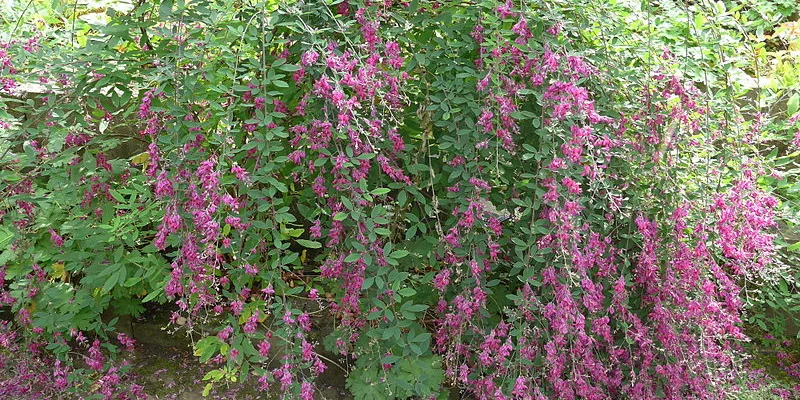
214,375
417,307
206,347
117,196
399,254
309,243
154,293
111,281
422,337
793,104
5,237
340,216
367,283
352,257
289,67
390,359
165,9
407,292
6,256
374,315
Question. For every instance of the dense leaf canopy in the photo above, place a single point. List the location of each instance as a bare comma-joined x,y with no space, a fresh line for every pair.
571,199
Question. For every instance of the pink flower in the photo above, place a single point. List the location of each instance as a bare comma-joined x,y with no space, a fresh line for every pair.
96,360
236,307
126,341
304,322
571,186
297,157
306,391
240,172
309,58
57,240
263,348
441,280
287,318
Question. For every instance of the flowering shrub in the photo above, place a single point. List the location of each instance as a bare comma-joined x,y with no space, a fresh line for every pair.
482,197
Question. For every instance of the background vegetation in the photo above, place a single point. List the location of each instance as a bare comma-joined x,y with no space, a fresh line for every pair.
562,199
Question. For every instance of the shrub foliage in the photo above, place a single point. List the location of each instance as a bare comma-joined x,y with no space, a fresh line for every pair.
523,200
